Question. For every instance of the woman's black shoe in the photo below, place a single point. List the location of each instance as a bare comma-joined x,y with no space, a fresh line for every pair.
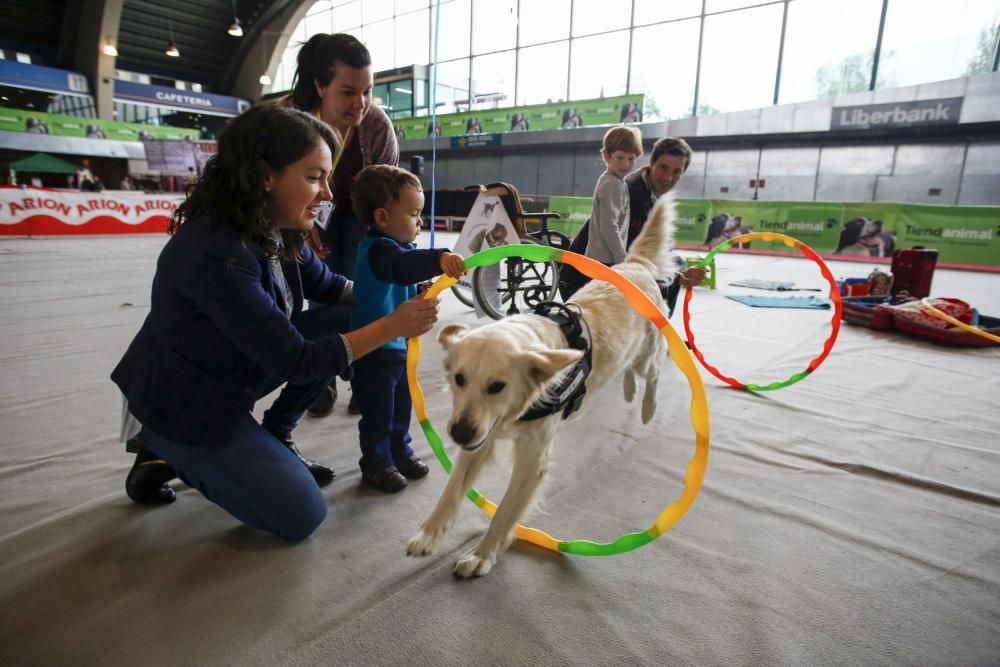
386,481
146,483
413,468
321,473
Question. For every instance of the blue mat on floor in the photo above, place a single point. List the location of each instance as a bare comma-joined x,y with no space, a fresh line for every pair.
781,301
757,283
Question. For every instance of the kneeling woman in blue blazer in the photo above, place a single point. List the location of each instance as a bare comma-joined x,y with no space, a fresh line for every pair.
226,327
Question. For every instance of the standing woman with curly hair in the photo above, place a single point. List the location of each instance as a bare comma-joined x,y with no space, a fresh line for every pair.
333,81
226,327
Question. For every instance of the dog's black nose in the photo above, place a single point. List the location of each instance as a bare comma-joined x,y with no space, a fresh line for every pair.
462,432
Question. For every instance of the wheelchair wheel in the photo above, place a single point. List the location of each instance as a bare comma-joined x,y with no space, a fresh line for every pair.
515,285
464,294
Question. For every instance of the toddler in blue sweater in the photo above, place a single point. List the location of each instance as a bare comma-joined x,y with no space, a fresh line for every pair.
390,269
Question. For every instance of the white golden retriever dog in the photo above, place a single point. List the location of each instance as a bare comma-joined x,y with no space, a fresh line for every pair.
498,371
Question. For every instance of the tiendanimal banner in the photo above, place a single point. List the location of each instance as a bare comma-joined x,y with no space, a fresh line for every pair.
964,236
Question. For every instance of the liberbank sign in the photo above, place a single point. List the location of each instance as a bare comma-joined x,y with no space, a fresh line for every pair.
917,113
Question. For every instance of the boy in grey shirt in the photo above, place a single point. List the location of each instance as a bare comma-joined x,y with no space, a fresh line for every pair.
610,216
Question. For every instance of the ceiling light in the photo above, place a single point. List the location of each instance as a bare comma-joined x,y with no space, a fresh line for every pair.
265,79
405,91
172,49
109,49
236,30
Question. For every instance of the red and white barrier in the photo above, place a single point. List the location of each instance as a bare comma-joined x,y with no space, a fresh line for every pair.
44,212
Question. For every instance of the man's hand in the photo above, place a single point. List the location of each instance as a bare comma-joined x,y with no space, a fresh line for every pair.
415,317
692,276
452,265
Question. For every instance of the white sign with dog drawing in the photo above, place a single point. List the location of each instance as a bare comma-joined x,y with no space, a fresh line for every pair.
487,226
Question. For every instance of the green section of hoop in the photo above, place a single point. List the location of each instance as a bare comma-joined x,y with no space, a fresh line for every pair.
776,385
438,446
531,252
707,261
626,542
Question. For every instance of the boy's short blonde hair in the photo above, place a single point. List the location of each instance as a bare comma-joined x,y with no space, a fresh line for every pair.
377,186
622,138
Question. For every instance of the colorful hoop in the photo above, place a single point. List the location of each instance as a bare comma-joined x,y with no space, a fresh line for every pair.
695,474
834,297
926,303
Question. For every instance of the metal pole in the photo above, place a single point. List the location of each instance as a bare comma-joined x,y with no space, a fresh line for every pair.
472,17
878,45
517,49
697,73
569,55
996,50
631,38
781,52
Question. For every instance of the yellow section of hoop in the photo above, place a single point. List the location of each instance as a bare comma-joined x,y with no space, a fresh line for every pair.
925,302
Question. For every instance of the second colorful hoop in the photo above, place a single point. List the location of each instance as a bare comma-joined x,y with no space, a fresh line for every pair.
834,323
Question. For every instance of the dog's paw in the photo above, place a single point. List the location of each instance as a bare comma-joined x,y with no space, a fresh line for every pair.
648,407
629,386
423,543
473,565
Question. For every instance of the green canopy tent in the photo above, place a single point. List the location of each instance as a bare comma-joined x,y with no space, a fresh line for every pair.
42,163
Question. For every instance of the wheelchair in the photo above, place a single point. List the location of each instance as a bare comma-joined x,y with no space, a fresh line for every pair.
514,285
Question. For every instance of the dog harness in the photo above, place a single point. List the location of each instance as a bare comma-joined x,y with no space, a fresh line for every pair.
568,395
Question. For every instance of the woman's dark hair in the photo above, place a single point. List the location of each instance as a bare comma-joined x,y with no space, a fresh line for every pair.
317,62
263,140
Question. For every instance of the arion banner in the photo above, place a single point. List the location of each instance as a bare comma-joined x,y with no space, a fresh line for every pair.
41,212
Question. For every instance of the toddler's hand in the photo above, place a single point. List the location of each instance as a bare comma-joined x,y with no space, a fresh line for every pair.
452,265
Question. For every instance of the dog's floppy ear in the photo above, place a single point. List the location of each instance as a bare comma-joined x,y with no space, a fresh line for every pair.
715,227
543,365
451,333
850,233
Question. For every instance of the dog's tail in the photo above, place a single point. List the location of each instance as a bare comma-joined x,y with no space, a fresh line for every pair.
656,240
